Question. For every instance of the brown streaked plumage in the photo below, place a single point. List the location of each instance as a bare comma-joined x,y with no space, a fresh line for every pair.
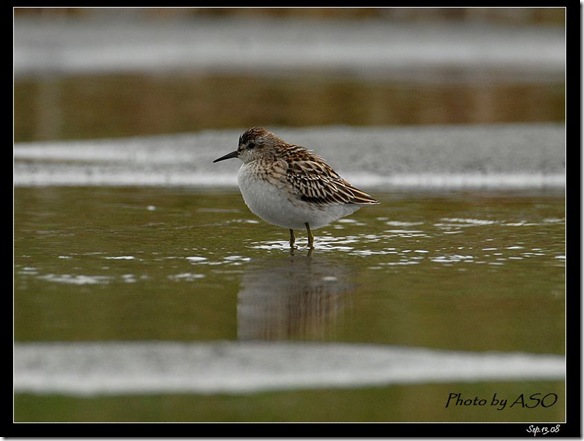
290,186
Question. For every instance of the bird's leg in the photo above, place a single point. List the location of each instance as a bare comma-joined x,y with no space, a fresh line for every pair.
292,239
310,236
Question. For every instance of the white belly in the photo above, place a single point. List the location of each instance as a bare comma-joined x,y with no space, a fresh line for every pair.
276,206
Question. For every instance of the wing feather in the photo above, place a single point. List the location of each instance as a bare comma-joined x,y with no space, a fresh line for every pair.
316,182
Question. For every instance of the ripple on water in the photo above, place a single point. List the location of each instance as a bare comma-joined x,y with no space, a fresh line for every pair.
410,252
196,258
186,277
78,279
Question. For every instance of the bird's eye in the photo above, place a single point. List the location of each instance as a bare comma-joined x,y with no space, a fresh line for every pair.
251,145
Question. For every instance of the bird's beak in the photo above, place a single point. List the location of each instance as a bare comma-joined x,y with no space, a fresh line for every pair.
227,156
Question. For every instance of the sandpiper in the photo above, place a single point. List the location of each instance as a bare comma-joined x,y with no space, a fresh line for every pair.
290,186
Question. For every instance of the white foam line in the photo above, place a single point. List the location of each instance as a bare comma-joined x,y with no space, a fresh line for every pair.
106,368
85,177
507,156
462,180
250,45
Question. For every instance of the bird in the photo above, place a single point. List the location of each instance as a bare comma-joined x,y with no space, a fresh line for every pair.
290,186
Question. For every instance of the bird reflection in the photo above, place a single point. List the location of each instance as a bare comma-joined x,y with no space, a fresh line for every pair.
292,297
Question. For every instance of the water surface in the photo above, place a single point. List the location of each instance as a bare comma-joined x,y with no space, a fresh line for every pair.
145,290
451,270
454,271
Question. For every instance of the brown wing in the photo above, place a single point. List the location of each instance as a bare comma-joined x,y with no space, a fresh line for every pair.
316,182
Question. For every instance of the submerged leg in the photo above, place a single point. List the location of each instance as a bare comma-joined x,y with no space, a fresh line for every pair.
292,239
310,236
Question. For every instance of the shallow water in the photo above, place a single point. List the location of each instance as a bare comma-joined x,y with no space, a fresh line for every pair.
485,270
441,270
202,262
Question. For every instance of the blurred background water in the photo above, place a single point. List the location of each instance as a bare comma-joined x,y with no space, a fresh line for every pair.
92,73
125,232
